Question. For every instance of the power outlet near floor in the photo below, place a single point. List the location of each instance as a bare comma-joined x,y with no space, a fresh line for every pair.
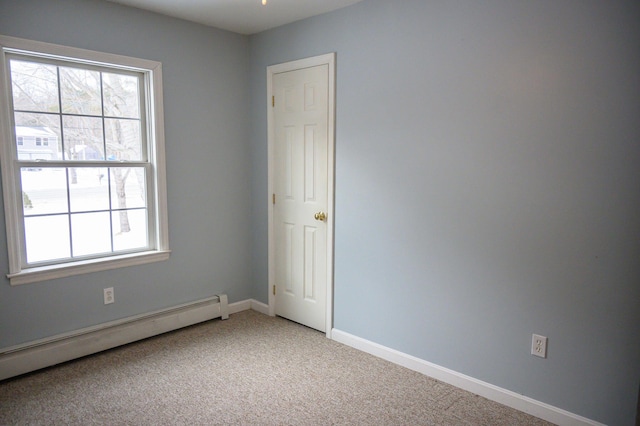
539,346
108,296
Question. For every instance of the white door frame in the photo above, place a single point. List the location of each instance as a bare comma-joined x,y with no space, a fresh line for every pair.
330,60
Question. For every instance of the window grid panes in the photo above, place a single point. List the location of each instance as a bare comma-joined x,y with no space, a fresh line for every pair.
82,154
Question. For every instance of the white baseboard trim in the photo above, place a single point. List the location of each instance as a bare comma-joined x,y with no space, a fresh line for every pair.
32,356
260,307
54,350
478,387
245,305
236,307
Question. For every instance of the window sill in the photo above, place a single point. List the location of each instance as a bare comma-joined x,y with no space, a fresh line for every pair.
51,272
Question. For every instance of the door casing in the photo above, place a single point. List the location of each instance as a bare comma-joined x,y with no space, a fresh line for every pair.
328,59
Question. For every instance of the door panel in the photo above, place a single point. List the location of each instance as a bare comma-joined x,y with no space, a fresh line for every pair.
301,189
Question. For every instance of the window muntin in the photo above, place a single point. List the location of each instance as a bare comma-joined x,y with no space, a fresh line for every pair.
93,188
114,197
96,115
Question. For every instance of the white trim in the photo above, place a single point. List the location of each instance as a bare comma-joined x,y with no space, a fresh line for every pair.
10,195
328,59
259,307
155,126
236,307
50,50
249,304
42,353
487,390
33,275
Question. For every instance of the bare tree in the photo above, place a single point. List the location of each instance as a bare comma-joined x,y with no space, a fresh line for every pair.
95,115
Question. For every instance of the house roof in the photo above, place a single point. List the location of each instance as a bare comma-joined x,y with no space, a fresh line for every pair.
35,131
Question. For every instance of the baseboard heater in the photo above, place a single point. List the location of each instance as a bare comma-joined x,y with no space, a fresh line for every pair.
54,350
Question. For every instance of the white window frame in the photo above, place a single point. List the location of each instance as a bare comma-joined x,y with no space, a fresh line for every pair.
152,71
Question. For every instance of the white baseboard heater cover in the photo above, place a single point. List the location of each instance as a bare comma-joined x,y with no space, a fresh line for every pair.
54,350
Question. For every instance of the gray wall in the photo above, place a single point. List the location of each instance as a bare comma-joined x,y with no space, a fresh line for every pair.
487,182
487,187
205,100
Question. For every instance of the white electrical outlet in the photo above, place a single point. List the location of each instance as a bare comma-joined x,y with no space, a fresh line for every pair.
109,296
539,346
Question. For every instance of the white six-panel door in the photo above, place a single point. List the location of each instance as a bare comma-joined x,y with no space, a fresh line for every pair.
301,194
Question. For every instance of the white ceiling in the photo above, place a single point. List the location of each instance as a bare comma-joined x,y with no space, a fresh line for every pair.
240,16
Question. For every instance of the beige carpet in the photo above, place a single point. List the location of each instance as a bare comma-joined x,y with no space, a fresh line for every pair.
249,370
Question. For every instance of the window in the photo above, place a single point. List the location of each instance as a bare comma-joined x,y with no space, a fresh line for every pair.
93,184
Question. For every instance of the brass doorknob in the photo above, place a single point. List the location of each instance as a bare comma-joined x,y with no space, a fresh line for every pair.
320,216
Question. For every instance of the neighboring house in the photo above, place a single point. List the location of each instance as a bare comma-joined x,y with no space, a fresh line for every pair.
36,143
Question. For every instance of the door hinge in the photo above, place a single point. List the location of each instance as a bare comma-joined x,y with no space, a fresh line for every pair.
273,101
273,198
274,289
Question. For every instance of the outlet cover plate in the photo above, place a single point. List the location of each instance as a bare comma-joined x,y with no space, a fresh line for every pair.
539,346
108,296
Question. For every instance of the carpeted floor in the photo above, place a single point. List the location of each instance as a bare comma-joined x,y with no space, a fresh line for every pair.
249,370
